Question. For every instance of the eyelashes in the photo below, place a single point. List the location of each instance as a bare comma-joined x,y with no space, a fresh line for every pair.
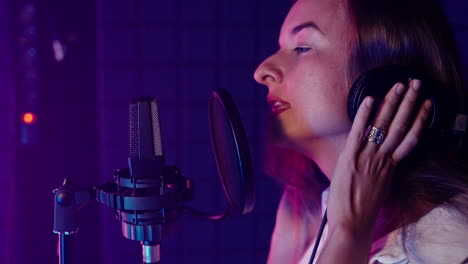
300,50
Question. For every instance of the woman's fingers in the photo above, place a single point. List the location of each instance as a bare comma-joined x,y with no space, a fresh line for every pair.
386,112
394,117
411,139
401,122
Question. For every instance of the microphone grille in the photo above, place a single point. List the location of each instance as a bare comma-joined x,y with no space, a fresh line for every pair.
144,129
157,144
133,129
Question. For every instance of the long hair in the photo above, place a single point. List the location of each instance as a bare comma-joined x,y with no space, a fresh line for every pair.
412,33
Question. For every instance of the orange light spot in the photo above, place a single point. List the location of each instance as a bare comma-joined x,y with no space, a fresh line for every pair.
29,118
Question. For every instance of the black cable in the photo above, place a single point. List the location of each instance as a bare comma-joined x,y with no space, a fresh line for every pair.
319,236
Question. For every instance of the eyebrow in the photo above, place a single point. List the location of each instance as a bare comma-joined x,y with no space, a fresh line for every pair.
308,24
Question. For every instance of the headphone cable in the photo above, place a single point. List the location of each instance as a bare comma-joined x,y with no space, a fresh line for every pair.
319,236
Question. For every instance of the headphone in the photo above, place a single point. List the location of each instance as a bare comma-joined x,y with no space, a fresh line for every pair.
446,122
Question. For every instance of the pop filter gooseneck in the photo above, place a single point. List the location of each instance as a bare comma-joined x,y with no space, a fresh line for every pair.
231,151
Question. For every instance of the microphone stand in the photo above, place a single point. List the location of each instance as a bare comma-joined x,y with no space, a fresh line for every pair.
67,201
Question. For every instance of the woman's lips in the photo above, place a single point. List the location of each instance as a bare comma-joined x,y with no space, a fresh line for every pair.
277,105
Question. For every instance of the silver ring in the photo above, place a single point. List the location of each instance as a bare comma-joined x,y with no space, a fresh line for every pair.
376,135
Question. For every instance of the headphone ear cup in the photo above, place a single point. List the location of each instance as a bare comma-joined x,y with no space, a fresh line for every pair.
377,83
356,95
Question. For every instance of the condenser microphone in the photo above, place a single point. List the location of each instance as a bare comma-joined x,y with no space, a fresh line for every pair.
148,195
145,158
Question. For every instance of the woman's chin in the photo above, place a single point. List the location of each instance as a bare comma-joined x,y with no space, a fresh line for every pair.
278,136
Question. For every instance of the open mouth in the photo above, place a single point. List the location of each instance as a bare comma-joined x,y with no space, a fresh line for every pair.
277,105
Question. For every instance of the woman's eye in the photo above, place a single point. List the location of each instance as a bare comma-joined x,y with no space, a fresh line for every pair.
299,50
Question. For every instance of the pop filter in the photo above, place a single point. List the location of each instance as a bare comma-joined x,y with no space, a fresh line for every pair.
232,153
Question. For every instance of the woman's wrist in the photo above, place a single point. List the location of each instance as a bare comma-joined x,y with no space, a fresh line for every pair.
346,245
361,235
355,227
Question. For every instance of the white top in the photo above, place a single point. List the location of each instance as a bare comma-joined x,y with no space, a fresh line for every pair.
439,237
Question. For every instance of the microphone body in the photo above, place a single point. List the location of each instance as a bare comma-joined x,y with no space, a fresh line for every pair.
148,195
145,161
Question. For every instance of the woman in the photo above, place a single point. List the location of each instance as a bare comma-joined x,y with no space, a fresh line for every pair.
391,200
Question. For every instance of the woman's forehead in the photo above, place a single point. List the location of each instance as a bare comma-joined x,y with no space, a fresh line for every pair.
322,13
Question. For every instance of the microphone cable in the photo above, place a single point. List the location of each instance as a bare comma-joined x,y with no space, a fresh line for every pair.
319,236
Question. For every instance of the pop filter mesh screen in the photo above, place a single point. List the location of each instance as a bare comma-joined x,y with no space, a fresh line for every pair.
227,154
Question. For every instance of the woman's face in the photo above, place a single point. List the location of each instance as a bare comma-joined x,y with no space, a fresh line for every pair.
306,76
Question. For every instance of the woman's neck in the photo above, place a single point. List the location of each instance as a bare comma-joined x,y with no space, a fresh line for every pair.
325,152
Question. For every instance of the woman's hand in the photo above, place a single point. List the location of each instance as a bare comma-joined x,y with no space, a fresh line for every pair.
363,173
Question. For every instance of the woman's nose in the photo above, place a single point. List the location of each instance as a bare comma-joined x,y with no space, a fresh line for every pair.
268,72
